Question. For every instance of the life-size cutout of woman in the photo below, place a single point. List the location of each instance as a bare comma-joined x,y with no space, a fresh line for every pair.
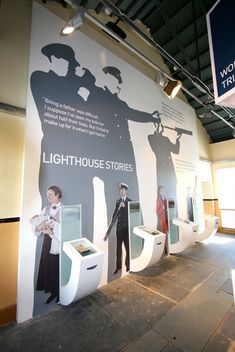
47,224
161,210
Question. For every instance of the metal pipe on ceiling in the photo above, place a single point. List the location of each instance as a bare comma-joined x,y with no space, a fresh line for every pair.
223,119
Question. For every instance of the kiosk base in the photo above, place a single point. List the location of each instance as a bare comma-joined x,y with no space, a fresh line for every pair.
154,242
86,270
187,235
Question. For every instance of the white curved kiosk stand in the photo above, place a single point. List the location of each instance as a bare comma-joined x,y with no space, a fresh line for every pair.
86,269
153,247
187,235
211,227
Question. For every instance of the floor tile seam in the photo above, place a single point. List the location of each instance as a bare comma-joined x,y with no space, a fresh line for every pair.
219,254
217,328
200,284
138,337
196,287
119,321
170,343
165,280
210,338
166,347
104,307
204,263
153,291
223,266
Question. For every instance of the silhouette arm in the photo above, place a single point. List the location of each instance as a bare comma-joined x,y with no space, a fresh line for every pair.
175,148
140,116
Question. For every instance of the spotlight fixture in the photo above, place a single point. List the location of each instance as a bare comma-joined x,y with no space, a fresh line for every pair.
172,88
74,23
114,28
162,80
107,10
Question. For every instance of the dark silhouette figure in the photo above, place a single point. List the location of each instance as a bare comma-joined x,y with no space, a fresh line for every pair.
162,148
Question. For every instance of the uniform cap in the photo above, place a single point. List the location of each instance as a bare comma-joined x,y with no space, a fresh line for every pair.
123,185
113,71
60,51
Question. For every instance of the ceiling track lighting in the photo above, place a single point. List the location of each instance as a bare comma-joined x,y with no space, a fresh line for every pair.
172,88
75,22
107,10
116,29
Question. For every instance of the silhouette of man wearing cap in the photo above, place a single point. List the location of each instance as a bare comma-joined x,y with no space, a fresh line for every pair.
120,217
162,148
115,72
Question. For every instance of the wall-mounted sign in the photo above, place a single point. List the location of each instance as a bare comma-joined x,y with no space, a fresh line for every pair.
91,125
220,24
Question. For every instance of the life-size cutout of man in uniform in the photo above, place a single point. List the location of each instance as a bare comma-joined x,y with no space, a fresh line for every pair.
120,215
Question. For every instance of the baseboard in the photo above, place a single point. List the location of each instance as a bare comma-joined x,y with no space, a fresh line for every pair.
7,315
226,230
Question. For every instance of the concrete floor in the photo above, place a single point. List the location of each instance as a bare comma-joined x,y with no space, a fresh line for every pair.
183,303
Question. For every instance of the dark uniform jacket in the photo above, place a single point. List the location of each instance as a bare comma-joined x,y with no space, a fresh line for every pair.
121,215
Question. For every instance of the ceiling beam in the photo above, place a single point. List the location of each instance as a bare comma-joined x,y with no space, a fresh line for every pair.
149,13
179,9
119,2
210,122
182,30
201,53
173,33
83,3
186,46
99,7
140,10
196,38
130,7
215,130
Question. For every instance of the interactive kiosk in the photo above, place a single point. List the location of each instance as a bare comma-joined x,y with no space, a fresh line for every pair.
146,245
80,261
187,235
154,242
211,223
173,235
207,224
86,270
